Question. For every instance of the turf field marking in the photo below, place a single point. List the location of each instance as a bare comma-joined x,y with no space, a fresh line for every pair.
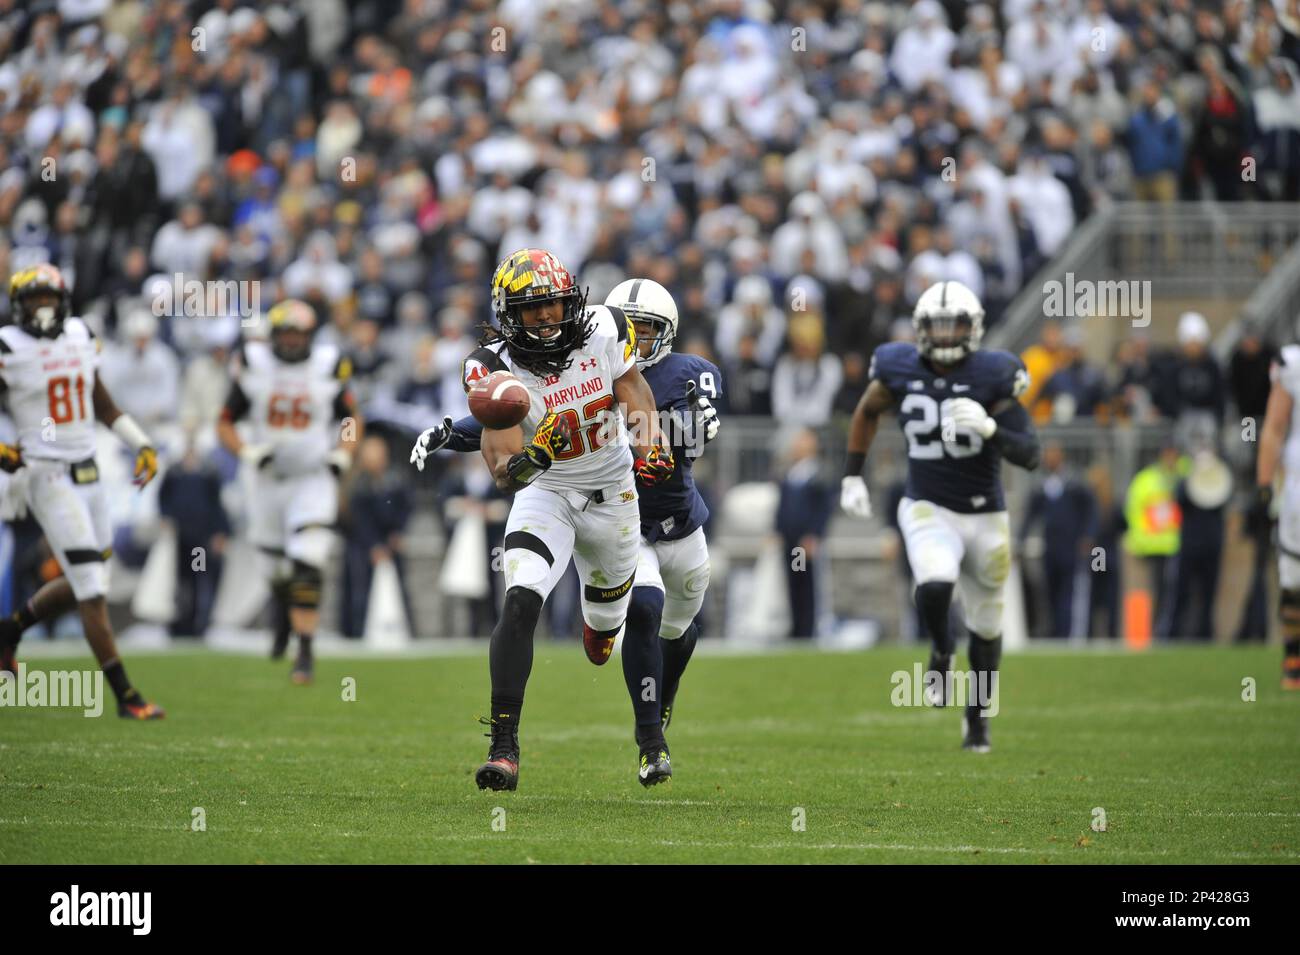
1052,850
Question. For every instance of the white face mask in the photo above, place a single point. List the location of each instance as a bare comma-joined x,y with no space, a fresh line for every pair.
44,317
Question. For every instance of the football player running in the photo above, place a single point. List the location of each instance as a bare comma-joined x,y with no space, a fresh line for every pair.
47,370
959,412
293,394
672,571
574,480
1279,444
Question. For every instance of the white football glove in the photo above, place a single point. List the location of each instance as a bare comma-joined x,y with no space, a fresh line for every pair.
968,413
255,456
854,497
431,440
708,416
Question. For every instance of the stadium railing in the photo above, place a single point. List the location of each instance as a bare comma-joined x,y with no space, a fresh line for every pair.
1273,308
1207,256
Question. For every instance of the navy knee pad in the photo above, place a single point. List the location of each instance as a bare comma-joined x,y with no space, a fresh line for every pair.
645,611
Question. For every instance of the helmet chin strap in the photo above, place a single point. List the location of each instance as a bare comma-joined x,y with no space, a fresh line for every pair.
658,353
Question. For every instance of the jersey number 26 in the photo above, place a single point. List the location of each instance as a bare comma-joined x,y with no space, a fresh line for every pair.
923,443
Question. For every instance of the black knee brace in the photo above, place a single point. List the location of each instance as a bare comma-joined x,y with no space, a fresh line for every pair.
932,602
305,586
521,611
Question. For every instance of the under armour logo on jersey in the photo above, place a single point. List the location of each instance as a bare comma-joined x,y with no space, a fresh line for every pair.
585,365
960,388
979,500
916,385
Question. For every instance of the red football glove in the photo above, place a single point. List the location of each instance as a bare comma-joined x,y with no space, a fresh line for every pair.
656,467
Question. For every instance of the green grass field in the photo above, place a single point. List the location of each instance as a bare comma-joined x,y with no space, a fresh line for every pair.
1163,743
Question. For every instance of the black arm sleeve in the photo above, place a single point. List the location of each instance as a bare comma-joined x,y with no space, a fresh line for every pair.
466,435
237,403
1016,439
345,404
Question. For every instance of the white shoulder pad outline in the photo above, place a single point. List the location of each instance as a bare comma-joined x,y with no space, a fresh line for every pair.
324,359
257,356
77,330
15,337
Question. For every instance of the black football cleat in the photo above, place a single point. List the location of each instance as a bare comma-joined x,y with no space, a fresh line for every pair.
976,739
304,670
656,767
501,771
138,708
936,688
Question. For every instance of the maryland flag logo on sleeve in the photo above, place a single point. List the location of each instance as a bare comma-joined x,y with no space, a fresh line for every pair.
629,349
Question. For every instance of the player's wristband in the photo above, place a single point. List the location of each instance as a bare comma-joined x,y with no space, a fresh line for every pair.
854,463
124,427
527,466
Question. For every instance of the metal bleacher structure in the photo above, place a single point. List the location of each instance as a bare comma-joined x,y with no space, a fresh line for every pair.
1228,261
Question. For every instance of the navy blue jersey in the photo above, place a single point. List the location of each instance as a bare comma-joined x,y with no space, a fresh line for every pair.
674,509
963,473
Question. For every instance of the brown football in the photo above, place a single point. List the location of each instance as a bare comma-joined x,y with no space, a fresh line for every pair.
499,400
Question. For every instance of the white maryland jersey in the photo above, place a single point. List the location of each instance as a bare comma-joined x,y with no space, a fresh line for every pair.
295,407
583,394
51,383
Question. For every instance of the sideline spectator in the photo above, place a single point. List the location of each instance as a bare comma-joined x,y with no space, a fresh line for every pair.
378,508
803,512
1067,511
1154,523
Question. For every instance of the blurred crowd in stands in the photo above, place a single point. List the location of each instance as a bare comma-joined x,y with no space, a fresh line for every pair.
794,172
1174,513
